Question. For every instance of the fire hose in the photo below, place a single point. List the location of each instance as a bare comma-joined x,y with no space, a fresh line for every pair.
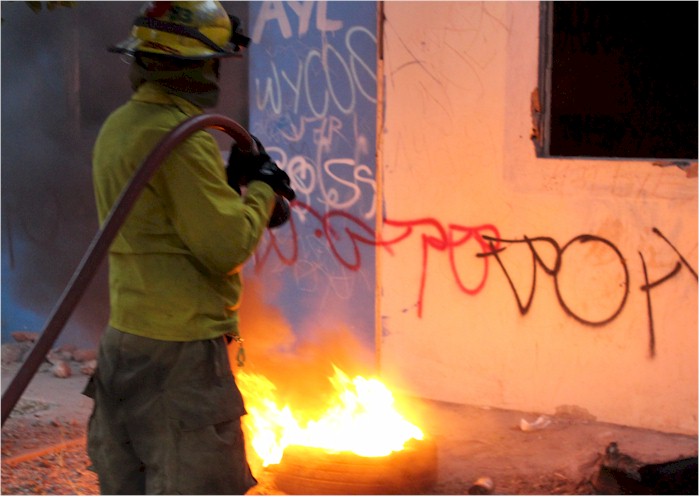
103,239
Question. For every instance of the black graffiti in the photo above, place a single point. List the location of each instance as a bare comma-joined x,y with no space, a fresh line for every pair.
555,270
587,239
648,286
685,263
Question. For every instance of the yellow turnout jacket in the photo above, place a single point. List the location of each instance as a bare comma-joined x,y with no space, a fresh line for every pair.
174,267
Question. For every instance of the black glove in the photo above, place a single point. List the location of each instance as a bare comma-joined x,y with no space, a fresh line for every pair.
280,213
242,165
272,175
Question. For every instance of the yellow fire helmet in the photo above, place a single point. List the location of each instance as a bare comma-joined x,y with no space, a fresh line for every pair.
185,30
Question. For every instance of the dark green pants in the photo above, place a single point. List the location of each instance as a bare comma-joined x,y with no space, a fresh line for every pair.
166,418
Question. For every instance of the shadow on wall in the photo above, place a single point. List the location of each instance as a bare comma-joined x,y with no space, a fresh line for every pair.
59,83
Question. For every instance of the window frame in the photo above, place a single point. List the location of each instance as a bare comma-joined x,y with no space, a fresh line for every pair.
541,102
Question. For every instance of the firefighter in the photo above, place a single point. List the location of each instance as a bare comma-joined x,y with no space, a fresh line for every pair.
167,412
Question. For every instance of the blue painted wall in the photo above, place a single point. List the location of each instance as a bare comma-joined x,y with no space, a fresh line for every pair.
312,90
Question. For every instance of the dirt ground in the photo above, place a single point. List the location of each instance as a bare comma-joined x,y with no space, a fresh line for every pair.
43,445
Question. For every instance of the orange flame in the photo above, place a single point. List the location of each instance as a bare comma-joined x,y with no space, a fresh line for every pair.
361,418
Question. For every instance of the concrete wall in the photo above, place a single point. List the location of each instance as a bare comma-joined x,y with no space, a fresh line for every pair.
458,166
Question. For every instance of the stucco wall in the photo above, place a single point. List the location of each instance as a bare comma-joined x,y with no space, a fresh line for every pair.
458,166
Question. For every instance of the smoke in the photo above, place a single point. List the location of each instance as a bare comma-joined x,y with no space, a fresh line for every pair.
59,84
48,216
298,365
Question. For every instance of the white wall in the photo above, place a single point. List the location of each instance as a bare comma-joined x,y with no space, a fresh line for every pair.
457,160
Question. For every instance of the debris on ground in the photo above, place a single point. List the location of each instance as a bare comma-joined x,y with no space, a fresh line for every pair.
539,424
61,361
622,474
44,452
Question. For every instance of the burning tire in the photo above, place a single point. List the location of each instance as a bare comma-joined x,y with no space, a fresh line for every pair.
312,471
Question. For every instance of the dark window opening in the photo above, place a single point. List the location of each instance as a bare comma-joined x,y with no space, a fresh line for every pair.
618,80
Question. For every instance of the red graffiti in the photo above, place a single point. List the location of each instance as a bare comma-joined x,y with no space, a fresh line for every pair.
345,234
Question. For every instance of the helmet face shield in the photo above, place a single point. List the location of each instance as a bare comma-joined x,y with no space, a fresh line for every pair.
187,30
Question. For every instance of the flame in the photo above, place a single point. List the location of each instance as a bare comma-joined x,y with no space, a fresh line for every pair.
361,418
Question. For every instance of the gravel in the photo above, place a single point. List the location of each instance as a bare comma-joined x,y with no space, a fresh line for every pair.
42,458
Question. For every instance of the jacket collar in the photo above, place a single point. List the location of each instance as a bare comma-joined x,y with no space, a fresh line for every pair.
152,93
